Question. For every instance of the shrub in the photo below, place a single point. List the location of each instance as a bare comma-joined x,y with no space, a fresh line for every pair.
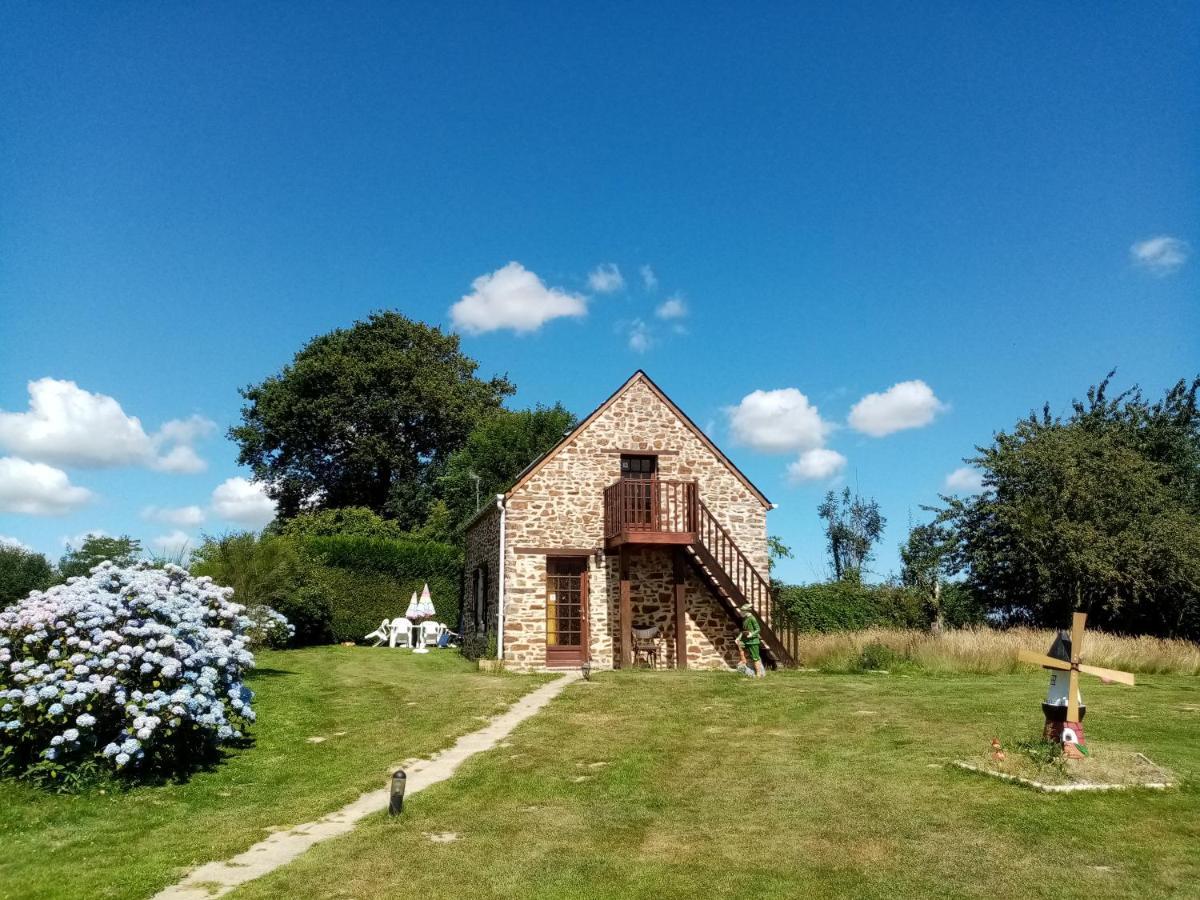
876,657
475,647
129,670
268,628
22,571
270,571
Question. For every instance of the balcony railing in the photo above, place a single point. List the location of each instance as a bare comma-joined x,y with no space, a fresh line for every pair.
639,509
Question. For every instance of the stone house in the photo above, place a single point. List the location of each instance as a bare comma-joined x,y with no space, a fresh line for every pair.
634,520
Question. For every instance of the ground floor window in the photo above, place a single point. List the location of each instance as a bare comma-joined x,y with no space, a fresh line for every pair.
479,585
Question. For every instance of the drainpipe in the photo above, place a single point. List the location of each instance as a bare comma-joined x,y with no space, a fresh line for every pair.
500,584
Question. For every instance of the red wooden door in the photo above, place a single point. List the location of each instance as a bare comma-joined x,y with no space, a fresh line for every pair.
566,610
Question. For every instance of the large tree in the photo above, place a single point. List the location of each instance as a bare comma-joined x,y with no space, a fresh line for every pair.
1098,512
853,525
495,454
365,416
927,560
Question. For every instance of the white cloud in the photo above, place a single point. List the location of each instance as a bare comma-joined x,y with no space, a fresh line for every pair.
777,421
909,404
649,279
244,502
182,516
513,297
606,279
36,489
1160,255
66,425
672,308
816,465
6,541
640,339
173,544
964,480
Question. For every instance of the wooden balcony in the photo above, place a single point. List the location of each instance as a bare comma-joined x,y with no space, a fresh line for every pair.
650,511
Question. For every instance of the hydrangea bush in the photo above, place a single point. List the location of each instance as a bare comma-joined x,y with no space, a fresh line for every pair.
268,628
129,670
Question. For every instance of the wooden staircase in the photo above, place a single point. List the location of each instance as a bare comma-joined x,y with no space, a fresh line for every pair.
734,581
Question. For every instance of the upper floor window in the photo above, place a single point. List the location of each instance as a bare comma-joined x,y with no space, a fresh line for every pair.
639,467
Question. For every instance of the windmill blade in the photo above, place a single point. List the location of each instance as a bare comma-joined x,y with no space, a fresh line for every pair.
1077,622
1073,697
1038,659
1110,674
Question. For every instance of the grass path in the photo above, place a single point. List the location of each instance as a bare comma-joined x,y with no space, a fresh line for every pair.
371,708
649,785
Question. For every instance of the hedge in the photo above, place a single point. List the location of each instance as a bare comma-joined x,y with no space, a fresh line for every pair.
850,605
366,580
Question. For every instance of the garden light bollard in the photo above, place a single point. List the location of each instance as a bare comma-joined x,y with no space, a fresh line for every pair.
396,797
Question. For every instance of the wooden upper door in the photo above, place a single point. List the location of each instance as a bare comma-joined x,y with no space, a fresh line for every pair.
566,610
641,472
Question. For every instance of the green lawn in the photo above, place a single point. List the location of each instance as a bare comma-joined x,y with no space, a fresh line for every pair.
372,707
649,785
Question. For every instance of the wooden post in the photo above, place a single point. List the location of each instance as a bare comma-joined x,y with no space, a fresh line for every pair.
680,614
625,613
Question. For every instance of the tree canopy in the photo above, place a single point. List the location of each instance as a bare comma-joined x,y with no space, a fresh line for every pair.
1098,512
853,525
365,416
497,452
22,571
95,549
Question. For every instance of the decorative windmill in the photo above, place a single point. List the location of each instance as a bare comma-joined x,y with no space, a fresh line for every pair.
1063,708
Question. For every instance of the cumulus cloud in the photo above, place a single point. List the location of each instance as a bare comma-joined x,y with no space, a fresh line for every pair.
909,404
513,297
640,338
173,544
777,421
606,279
66,425
817,464
182,516
244,502
36,489
964,480
6,541
672,308
1160,255
649,279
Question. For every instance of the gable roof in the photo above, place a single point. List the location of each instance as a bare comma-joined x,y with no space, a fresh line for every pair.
638,377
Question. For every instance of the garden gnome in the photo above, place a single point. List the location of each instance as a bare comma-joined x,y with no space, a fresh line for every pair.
751,639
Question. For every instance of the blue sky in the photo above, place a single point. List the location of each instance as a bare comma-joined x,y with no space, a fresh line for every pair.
997,202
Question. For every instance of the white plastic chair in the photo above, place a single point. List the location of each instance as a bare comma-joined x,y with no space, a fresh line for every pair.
381,634
401,633
431,632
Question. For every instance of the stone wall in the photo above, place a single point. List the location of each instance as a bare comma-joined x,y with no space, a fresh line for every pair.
482,548
561,506
711,632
